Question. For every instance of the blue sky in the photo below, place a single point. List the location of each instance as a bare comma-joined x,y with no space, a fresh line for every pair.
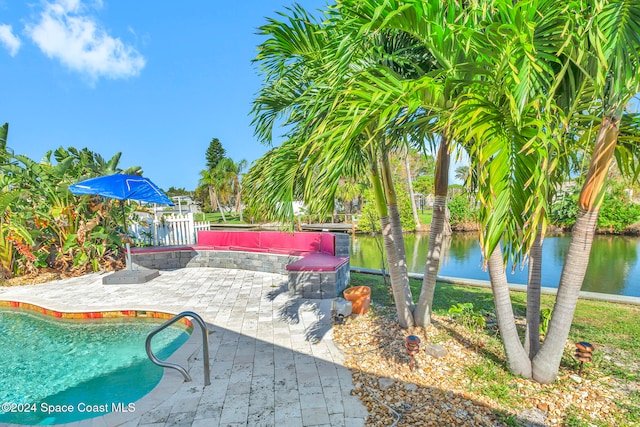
151,79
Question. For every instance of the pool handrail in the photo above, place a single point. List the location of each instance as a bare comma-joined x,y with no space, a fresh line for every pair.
205,346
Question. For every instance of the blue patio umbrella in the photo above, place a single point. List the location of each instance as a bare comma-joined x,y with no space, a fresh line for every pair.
122,187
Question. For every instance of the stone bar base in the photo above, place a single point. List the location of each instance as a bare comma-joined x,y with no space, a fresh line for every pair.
318,284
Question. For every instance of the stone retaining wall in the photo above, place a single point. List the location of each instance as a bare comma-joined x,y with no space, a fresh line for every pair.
182,258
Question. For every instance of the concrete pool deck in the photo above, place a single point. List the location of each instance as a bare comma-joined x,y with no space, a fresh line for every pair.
272,359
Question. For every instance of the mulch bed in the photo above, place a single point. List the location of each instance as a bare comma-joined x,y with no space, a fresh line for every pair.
453,390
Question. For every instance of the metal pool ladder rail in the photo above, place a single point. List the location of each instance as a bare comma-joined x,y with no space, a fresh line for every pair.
205,346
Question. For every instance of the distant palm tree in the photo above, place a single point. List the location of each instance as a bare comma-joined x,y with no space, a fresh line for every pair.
462,174
235,171
208,180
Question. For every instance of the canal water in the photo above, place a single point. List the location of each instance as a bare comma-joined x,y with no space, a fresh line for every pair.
614,267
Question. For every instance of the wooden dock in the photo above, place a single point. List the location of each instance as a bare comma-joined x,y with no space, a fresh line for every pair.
228,226
341,227
335,227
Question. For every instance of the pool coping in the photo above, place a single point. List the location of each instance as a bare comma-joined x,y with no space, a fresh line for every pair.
169,383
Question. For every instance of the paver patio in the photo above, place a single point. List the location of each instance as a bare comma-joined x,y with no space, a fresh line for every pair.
272,359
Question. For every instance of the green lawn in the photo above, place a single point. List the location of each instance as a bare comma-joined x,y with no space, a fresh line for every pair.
215,217
425,217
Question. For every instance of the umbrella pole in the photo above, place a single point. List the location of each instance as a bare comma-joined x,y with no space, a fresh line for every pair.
126,233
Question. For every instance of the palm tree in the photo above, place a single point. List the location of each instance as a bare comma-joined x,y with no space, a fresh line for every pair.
236,184
612,62
349,192
209,180
4,130
414,208
226,181
522,123
462,173
303,62
427,98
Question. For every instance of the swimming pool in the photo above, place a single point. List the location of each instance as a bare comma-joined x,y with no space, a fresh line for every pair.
58,371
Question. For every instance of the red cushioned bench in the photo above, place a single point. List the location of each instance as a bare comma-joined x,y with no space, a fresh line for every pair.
297,244
317,266
317,262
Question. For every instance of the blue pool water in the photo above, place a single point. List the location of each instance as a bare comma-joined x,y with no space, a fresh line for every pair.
56,371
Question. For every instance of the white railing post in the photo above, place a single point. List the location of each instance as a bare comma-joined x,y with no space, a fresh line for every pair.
191,229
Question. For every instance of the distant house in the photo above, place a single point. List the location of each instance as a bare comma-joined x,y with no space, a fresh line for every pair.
185,204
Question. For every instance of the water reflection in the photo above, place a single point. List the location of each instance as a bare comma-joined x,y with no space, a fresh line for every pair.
613,268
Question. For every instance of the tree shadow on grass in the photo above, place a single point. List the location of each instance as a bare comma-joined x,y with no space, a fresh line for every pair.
475,346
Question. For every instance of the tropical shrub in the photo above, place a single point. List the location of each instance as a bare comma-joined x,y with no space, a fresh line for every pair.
467,315
461,210
369,213
564,210
48,225
616,212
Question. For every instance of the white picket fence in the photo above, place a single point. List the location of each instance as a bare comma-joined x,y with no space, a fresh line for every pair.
169,230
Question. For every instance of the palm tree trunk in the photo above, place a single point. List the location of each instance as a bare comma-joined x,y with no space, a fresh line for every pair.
414,208
517,359
424,309
398,275
422,313
547,361
215,195
212,198
239,201
532,336
402,302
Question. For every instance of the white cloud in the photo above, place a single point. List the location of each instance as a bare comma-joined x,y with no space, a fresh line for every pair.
66,33
9,40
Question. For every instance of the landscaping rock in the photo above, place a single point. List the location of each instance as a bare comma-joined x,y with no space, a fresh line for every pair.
463,389
435,350
410,387
532,417
385,383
